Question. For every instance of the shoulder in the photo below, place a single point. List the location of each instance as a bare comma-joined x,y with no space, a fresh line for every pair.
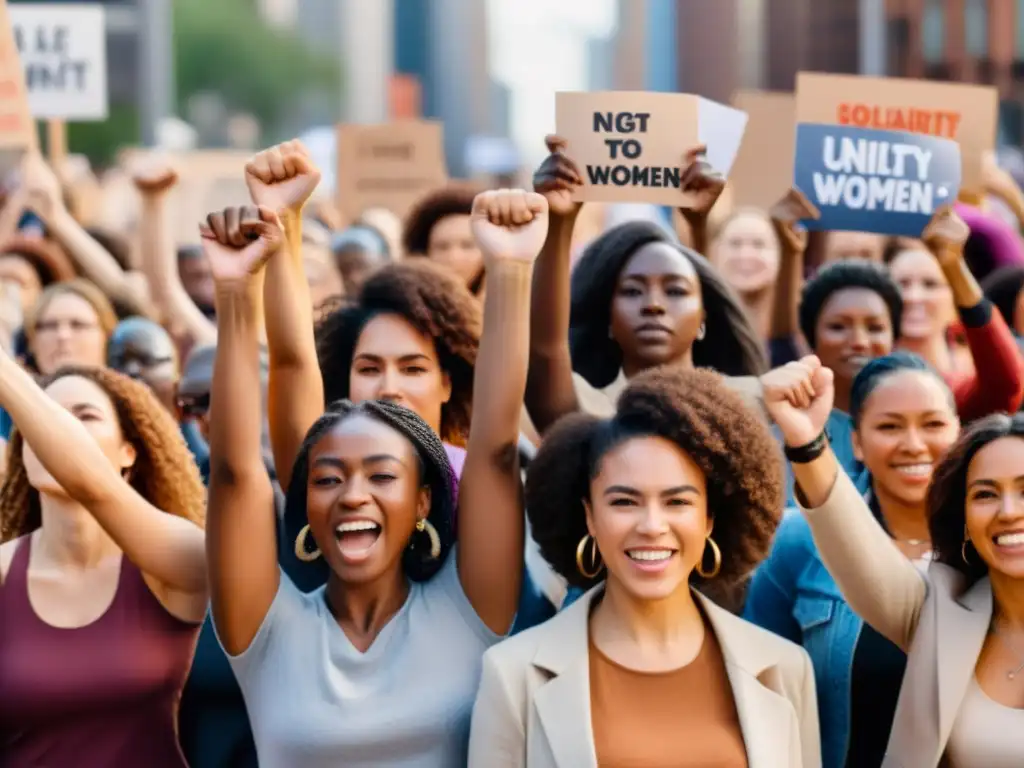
591,400
518,651
7,550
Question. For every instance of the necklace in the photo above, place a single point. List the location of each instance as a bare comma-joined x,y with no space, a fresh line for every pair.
1006,642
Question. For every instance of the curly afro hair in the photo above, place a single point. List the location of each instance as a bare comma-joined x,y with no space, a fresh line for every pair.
731,346
452,200
947,495
165,474
1002,288
433,302
697,411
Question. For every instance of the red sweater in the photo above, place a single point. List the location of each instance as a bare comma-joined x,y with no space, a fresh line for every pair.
997,383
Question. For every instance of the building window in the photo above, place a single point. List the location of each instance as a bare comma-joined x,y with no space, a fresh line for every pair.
976,27
933,32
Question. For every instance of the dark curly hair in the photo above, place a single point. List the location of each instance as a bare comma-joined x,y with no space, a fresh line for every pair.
431,301
947,495
452,200
841,275
731,345
164,473
1002,288
436,473
697,411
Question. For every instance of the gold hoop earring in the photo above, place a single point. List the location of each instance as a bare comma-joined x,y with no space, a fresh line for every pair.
300,547
963,551
716,555
435,540
595,558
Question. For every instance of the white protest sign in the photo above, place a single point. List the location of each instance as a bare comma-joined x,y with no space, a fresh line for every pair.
721,128
63,53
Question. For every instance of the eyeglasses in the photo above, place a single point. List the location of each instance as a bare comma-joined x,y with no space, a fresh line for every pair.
194,406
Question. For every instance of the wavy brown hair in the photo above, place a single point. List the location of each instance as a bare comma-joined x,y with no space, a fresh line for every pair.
164,473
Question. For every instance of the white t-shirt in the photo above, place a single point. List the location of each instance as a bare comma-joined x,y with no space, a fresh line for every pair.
314,701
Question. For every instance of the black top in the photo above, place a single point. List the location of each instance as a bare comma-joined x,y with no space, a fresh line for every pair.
878,667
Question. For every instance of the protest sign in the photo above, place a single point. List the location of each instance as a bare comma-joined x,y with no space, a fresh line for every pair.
967,113
17,129
388,166
863,180
763,169
630,145
63,52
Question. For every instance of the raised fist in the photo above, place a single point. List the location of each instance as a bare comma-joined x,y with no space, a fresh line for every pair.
238,242
945,235
786,216
799,398
700,182
43,193
557,178
510,224
154,176
282,178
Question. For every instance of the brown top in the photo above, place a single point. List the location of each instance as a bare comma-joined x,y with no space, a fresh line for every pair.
685,718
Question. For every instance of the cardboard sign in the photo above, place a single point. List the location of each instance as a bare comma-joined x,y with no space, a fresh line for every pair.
17,129
388,166
967,113
630,145
864,180
763,170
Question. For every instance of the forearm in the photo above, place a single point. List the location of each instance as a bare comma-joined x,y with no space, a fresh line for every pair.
235,412
698,231
160,266
966,291
59,440
788,286
92,258
295,393
549,389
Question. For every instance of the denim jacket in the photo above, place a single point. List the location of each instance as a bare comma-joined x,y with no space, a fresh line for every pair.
793,595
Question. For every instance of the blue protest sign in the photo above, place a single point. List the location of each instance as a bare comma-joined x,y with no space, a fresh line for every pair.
865,180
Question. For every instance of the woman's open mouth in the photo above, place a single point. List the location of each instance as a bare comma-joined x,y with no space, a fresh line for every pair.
356,539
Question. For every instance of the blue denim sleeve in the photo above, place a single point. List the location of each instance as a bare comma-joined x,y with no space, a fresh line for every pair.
772,591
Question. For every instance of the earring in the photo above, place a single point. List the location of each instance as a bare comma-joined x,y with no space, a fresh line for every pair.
716,555
300,547
595,558
702,332
424,525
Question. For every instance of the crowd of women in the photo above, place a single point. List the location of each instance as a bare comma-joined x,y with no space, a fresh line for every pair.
489,488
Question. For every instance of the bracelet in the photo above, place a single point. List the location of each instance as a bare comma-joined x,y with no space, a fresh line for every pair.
805,454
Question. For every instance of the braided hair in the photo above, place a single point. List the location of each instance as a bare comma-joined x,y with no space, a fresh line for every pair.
436,473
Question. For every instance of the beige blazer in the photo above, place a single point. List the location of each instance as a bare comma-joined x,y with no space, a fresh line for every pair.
933,616
533,708
601,402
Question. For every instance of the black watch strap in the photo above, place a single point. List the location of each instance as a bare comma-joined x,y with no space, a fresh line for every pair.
805,454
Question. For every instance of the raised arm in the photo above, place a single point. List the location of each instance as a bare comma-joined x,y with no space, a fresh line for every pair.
999,381
879,583
510,226
702,186
550,392
786,216
241,541
281,179
159,262
44,197
167,548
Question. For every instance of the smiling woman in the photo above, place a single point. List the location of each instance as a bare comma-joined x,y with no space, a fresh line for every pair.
679,491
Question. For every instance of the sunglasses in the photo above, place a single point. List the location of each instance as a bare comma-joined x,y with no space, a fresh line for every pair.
195,406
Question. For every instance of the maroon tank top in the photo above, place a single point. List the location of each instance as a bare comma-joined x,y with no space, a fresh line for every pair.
100,696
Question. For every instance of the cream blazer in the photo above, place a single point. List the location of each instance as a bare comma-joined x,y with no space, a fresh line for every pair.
533,708
935,617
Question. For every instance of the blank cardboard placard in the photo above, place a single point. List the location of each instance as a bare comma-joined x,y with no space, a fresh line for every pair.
967,113
388,166
628,145
763,170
